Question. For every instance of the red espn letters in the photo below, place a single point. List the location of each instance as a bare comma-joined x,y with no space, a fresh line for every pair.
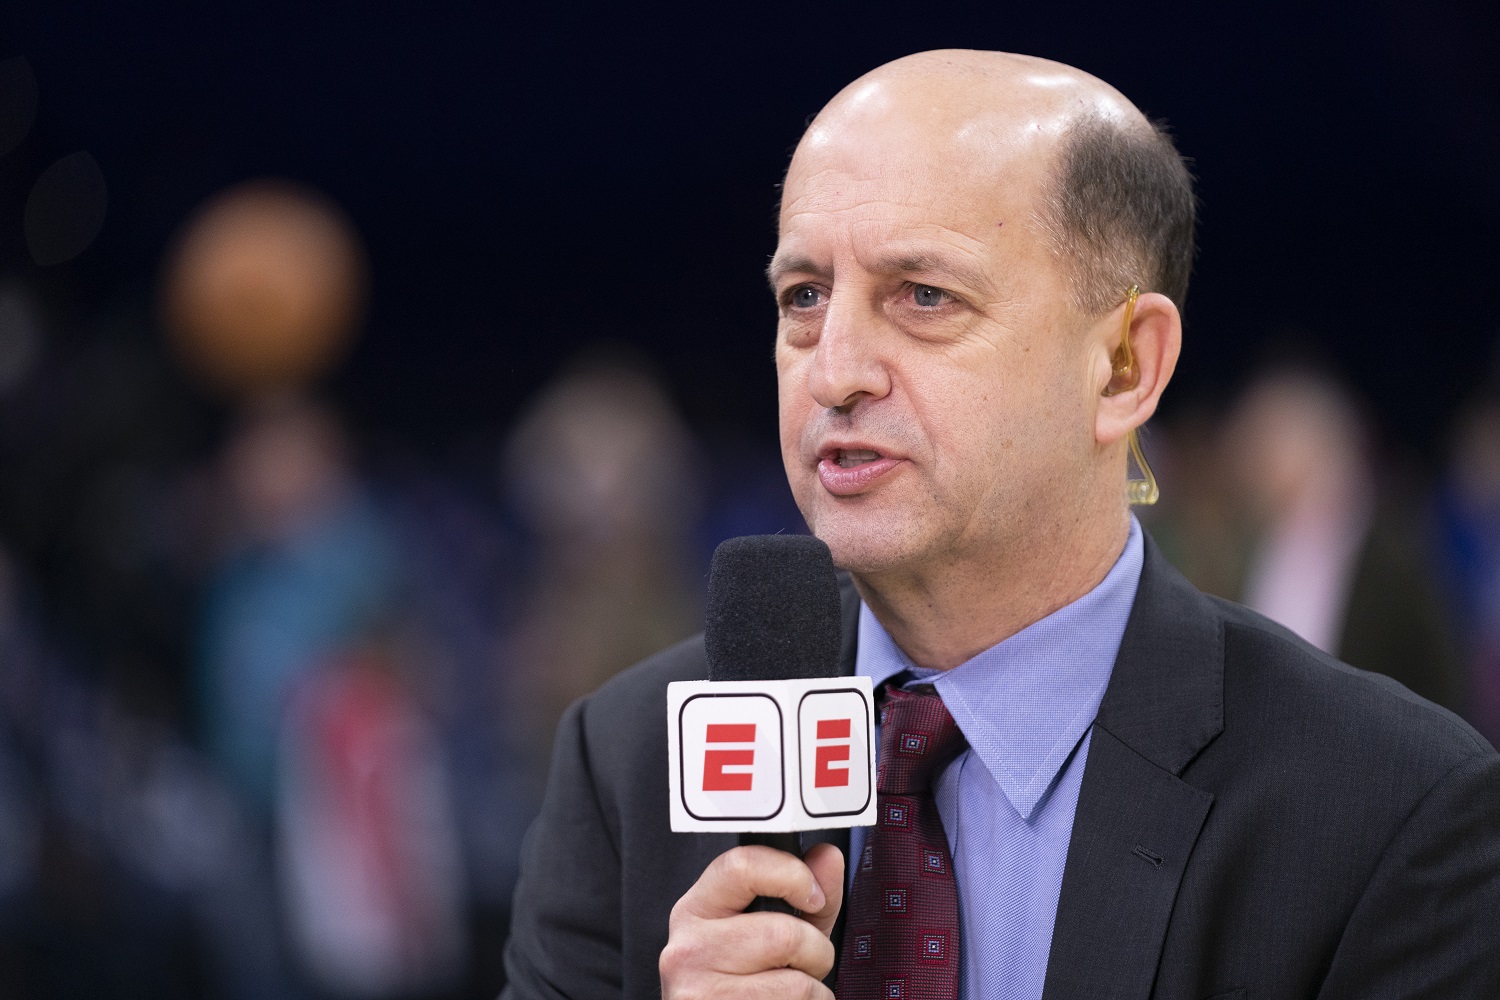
715,779
825,776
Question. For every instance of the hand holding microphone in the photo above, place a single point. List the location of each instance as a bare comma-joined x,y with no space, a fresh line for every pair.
716,948
773,743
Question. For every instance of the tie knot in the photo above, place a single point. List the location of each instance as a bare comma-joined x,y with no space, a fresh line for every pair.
917,738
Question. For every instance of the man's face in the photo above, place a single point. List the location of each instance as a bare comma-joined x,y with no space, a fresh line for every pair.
934,386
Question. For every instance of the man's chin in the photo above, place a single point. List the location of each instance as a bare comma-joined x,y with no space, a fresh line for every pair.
865,548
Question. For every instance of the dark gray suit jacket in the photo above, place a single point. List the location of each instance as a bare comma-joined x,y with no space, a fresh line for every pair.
1256,820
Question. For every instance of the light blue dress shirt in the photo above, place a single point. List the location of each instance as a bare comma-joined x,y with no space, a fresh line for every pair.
1007,803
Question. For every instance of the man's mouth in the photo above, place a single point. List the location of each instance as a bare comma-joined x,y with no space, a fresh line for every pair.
847,471
848,458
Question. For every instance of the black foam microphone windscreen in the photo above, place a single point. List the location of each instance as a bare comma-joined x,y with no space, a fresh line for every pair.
773,610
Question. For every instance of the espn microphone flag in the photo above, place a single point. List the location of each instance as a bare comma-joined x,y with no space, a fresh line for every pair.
771,756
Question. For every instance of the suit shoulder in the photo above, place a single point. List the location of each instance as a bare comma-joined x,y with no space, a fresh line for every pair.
641,689
1277,682
624,722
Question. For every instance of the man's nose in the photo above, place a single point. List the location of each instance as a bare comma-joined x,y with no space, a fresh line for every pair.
847,365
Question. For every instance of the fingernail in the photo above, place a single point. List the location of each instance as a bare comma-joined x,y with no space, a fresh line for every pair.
815,900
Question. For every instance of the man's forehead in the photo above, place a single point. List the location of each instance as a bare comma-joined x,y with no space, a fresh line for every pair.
884,201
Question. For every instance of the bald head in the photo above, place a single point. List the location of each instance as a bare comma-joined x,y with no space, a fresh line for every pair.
1106,190
952,90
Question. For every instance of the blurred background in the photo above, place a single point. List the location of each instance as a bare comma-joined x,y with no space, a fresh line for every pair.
376,379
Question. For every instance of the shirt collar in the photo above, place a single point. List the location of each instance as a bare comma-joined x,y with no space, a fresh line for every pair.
1025,704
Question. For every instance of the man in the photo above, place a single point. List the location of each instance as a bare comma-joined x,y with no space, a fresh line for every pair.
1144,792
1334,559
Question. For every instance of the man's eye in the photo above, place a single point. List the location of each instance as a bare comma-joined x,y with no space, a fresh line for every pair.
805,297
928,297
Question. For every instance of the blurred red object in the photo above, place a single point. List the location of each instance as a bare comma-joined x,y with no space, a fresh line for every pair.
368,851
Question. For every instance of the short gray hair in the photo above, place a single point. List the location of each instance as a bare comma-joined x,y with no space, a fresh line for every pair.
1121,211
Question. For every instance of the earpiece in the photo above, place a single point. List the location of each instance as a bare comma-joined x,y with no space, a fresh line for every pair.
1125,376
1123,373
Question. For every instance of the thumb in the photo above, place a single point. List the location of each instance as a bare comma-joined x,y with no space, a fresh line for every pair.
827,864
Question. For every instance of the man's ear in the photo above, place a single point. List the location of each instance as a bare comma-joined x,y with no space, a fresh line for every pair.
1128,394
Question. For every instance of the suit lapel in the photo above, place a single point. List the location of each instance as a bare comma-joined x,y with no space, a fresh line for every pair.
1135,828
1137,820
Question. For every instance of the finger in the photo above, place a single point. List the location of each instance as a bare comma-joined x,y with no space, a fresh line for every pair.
826,862
747,943
726,957
736,877
776,984
789,984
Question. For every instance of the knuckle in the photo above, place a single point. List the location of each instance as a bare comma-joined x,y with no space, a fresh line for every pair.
785,939
823,957
681,912
668,961
736,865
677,957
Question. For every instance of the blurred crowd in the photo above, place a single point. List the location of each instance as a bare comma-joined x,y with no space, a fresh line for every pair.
1286,500
277,695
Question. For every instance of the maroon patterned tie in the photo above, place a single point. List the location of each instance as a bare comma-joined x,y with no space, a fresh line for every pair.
901,942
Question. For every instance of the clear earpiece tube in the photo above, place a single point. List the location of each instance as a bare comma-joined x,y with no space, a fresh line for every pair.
1142,492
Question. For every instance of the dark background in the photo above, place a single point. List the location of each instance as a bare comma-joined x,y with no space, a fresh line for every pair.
530,178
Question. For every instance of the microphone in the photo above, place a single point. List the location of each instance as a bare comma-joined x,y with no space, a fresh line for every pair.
775,741
773,610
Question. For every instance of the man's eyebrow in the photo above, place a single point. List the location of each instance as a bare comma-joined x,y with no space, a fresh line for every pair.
917,262
921,262
781,266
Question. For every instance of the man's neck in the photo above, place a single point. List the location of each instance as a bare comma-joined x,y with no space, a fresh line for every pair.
943,615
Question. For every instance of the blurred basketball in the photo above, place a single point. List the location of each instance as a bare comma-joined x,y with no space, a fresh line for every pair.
264,287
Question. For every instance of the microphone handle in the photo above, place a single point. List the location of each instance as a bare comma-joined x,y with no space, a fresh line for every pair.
792,844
